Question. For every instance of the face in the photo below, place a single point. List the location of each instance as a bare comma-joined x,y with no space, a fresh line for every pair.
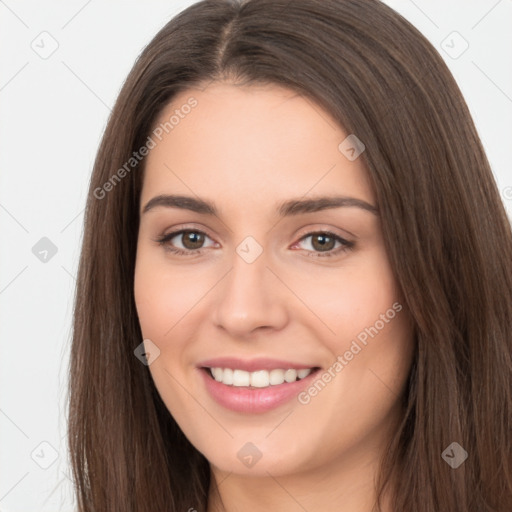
268,259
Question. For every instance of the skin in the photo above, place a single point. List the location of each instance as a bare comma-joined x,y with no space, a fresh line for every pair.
247,149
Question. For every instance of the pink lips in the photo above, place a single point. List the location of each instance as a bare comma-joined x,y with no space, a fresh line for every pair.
248,399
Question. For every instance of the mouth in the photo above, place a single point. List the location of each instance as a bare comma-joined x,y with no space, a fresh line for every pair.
258,391
258,379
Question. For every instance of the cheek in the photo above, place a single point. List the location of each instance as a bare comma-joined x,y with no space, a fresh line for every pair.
351,298
163,294
151,300
162,301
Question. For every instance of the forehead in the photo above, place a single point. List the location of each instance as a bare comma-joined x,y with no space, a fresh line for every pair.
249,143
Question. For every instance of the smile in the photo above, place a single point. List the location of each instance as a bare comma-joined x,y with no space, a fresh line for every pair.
255,392
258,379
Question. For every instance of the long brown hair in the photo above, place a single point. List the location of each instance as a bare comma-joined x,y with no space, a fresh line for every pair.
447,235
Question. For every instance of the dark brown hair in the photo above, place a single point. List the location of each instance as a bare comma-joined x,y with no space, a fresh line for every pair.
447,236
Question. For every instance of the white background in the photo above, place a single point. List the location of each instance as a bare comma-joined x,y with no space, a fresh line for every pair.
53,112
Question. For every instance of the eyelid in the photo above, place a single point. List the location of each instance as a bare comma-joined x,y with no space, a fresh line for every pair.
165,238
322,228
175,230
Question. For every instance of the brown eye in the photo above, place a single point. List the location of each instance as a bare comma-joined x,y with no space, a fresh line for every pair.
185,242
192,239
323,242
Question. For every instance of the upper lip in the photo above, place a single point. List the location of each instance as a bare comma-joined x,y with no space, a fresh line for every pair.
252,365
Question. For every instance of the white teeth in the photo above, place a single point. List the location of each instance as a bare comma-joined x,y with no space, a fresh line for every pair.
303,373
290,375
240,378
227,376
258,379
276,377
217,374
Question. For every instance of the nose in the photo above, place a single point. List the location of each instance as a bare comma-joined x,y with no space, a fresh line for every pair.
250,298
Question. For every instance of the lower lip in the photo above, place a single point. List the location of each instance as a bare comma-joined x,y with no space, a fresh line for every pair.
254,400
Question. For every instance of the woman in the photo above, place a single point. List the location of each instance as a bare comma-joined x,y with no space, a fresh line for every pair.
294,288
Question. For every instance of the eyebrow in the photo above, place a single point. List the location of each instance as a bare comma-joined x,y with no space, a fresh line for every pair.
287,208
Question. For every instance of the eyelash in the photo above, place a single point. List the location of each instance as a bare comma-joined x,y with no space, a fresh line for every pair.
164,241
